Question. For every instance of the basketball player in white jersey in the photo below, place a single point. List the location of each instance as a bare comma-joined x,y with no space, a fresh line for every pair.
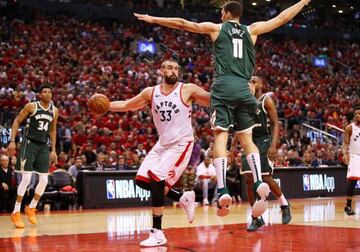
351,152
171,110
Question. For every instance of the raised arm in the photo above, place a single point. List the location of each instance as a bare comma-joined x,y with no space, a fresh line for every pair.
285,16
348,132
135,103
274,125
182,24
24,113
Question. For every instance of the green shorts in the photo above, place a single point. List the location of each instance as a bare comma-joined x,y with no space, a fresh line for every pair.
33,156
267,167
232,104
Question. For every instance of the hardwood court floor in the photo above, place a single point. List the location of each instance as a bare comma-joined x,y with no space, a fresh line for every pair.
318,224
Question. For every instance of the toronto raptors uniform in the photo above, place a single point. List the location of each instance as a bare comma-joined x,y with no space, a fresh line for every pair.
169,157
354,154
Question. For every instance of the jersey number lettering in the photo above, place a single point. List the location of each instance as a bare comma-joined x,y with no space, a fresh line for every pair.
166,116
43,125
238,48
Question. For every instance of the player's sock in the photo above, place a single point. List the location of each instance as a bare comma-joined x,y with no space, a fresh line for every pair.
174,195
348,202
283,201
220,168
253,160
33,203
157,221
17,207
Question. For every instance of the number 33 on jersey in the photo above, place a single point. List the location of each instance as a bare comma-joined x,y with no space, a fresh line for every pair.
172,117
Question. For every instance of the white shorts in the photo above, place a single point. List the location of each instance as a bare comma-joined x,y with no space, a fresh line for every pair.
165,162
353,172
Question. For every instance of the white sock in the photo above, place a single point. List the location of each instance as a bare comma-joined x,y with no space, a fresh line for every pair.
282,200
220,169
33,203
253,160
17,207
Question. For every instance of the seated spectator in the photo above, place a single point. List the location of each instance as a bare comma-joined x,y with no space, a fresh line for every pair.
306,159
280,160
293,158
331,159
188,179
205,178
140,149
319,161
233,177
113,158
100,163
53,166
89,154
75,168
7,190
120,165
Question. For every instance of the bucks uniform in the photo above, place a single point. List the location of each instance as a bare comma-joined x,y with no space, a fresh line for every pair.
262,139
34,151
232,104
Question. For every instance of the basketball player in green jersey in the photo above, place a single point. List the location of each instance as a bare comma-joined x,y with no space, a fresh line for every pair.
33,155
266,141
232,104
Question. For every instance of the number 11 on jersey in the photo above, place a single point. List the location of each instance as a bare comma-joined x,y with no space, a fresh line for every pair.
238,48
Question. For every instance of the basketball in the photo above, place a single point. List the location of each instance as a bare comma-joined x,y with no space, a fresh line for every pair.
99,104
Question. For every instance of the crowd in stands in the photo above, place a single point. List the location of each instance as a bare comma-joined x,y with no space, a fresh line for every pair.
315,16
80,58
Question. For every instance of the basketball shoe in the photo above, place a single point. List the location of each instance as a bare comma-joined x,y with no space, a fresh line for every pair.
30,212
187,202
255,224
224,202
156,238
16,219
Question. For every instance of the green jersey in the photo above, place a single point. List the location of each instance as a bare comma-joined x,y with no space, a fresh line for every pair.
38,124
262,115
233,51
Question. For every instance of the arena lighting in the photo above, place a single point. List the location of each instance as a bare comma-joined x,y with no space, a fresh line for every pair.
268,0
340,11
352,7
254,4
334,6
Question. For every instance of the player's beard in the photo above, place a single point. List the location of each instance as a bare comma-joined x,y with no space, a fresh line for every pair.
171,80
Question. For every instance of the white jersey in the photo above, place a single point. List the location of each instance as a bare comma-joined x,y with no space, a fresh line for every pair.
354,145
172,117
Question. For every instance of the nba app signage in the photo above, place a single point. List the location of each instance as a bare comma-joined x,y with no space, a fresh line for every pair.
318,182
125,189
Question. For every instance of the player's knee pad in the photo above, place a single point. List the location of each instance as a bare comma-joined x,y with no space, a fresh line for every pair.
43,181
157,193
25,181
142,184
25,178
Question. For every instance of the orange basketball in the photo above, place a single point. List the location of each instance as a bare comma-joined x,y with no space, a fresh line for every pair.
99,104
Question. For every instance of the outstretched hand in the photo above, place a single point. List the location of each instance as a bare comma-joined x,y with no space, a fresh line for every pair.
144,17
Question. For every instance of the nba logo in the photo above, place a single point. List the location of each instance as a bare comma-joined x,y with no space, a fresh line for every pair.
306,182
110,189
